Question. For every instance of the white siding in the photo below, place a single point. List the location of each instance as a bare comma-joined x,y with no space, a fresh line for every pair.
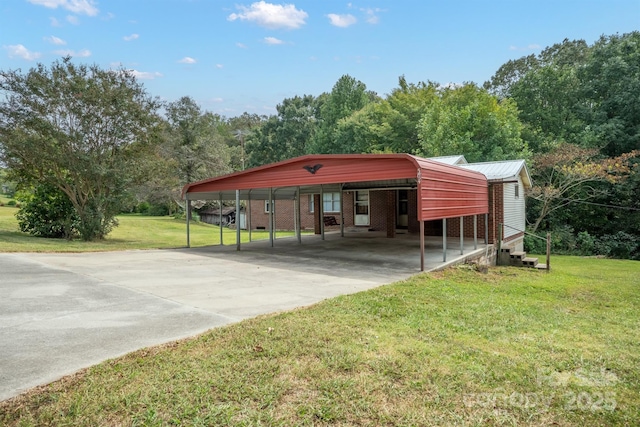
514,208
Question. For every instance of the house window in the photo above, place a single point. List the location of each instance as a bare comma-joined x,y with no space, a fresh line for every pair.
517,191
331,202
267,206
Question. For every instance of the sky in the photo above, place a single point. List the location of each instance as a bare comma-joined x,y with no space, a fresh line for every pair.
247,56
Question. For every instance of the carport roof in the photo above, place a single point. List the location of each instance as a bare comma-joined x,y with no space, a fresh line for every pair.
445,191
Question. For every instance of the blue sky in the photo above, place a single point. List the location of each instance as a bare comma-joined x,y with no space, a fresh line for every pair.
237,56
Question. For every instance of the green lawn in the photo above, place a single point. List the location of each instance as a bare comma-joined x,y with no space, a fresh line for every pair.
509,347
134,232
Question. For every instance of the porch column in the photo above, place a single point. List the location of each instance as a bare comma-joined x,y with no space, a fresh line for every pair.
298,216
461,235
444,239
221,238
421,245
475,232
271,216
321,212
187,209
238,220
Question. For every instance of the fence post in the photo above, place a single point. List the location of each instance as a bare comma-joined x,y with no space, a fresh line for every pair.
548,252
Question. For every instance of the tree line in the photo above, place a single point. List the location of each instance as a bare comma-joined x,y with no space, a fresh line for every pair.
96,140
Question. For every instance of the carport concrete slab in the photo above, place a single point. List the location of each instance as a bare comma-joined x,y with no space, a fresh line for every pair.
63,312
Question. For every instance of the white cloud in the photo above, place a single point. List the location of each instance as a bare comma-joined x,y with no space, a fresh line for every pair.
20,51
342,21
86,7
72,19
133,36
272,40
219,66
187,60
145,75
84,53
55,40
217,100
54,22
271,16
241,45
370,15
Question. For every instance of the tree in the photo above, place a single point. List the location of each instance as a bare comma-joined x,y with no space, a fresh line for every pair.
567,175
286,134
241,128
197,141
79,128
468,120
611,85
372,129
347,96
410,101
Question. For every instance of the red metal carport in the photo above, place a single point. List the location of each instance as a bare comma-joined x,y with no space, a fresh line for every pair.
444,191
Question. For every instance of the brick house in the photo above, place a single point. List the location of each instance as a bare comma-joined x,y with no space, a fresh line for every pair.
394,211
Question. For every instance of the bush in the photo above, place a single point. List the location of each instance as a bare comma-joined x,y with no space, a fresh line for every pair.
620,245
143,208
585,243
12,203
534,245
47,212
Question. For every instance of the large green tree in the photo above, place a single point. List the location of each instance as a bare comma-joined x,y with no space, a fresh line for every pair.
468,120
286,134
197,140
81,129
347,96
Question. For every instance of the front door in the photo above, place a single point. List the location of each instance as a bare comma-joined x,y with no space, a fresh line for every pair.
361,208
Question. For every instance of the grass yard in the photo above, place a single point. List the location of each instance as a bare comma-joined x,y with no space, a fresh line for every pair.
510,347
134,232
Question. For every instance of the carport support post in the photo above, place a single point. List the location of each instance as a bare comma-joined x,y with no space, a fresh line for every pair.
341,211
221,238
421,245
298,217
271,216
461,235
187,208
444,239
321,211
486,229
238,219
249,214
475,232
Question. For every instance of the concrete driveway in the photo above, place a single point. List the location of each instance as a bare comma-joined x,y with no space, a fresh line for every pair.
63,312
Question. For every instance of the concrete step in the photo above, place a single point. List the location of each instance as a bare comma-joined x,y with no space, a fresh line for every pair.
541,266
529,262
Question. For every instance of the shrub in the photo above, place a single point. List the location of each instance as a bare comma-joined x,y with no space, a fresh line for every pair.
143,207
534,245
620,245
585,243
12,203
47,212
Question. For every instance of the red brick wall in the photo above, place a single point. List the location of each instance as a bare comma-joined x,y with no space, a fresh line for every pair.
285,213
382,214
